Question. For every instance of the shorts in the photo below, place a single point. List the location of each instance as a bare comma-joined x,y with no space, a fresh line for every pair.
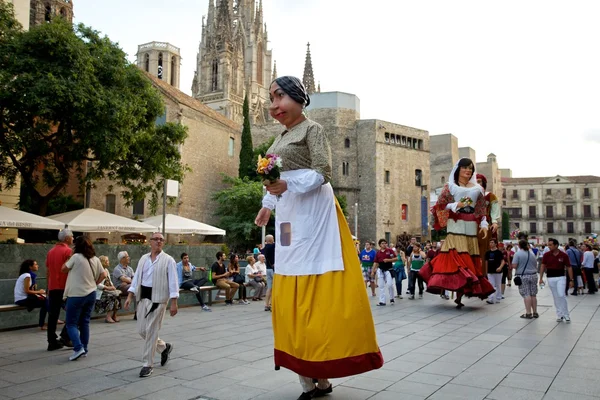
367,274
504,274
270,273
529,285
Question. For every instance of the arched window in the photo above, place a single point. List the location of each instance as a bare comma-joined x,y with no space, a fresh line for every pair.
63,13
346,143
387,137
404,212
111,203
418,177
214,75
147,62
345,168
259,64
443,180
47,12
173,71
160,66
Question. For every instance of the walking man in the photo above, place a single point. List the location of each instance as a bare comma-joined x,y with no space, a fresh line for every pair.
415,262
154,283
56,258
575,257
384,260
554,263
367,257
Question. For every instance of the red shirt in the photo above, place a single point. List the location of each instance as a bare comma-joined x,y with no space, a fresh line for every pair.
57,256
381,255
555,264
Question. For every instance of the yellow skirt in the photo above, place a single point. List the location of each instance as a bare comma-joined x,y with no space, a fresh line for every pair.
322,324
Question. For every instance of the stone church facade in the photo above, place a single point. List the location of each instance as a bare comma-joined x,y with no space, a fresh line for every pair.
233,60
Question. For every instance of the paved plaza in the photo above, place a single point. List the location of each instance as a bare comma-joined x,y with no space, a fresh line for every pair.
431,351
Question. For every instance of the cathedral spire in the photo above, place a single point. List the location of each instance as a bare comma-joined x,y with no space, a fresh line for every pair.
224,20
308,78
274,71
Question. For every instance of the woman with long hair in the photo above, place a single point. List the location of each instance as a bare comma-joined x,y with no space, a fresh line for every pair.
85,273
26,292
322,322
461,209
234,275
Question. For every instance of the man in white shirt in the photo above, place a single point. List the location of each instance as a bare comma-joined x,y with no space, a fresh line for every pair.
154,283
261,265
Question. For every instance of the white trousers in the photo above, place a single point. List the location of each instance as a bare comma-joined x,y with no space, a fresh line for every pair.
308,384
148,326
557,286
496,281
385,282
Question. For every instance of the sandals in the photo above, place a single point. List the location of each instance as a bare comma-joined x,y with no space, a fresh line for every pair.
536,315
527,316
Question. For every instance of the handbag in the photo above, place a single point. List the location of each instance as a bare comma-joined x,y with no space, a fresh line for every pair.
518,281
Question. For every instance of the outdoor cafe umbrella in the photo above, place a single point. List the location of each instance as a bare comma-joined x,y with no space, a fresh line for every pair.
11,218
92,220
180,225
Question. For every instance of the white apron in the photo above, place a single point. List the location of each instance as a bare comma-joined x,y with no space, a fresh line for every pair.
307,237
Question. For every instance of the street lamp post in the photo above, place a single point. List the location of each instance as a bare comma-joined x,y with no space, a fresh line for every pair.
356,220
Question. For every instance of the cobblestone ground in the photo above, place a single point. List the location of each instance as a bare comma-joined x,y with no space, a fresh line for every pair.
431,351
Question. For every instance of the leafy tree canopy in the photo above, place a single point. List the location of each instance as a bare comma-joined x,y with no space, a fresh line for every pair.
72,105
238,206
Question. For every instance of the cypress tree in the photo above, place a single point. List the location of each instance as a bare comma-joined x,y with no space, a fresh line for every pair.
247,162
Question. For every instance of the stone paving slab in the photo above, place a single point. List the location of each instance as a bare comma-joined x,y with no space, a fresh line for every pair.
431,351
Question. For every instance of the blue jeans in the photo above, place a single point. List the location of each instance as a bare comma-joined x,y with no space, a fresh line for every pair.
79,312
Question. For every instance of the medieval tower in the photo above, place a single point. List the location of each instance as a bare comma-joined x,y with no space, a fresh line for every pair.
161,60
233,60
44,10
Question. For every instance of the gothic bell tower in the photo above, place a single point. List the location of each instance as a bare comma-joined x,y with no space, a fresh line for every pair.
42,11
161,60
233,60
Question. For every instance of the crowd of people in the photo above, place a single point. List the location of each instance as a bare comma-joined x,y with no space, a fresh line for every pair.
318,333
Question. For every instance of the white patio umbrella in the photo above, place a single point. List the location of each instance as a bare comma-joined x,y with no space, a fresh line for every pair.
11,218
92,220
180,225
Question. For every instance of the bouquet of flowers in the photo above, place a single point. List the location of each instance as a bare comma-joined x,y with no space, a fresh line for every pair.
269,168
467,201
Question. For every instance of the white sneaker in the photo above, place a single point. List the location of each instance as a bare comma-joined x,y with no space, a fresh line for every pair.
567,320
559,319
246,302
206,308
194,289
77,354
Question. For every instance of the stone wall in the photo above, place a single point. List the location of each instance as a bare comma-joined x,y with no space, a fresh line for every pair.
205,152
443,156
401,162
11,257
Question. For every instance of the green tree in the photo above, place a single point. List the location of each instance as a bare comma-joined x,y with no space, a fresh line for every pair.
343,201
505,226
262,150
238,206
247,166
71,105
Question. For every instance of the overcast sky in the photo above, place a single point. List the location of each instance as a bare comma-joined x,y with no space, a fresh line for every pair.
520,79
